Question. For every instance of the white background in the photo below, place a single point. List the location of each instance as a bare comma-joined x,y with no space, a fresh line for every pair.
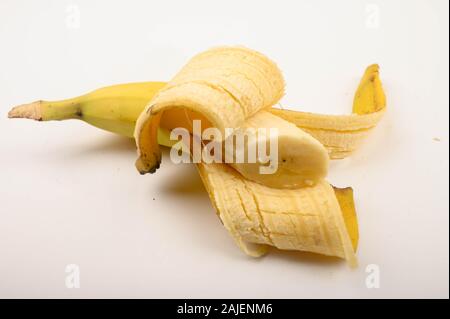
69,193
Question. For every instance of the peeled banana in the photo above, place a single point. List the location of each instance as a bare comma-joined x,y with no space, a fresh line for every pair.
316,218
116,109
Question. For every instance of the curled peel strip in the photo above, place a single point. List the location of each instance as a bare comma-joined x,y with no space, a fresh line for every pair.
343,134
210,85
316,219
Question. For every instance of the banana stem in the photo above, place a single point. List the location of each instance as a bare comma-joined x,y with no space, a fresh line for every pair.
48,110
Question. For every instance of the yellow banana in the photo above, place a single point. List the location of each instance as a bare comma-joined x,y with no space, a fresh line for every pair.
317,219
116,109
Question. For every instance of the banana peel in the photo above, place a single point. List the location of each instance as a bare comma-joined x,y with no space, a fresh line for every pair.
346,202
343,134
256,214
306,219
319,219
344,196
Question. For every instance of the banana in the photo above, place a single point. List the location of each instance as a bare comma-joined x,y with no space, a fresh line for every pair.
116,109
230,86
318,218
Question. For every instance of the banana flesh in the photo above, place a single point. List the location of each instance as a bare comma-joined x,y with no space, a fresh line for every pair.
302,160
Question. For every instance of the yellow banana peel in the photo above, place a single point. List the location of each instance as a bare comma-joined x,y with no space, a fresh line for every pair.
319,219
306,219
343,134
